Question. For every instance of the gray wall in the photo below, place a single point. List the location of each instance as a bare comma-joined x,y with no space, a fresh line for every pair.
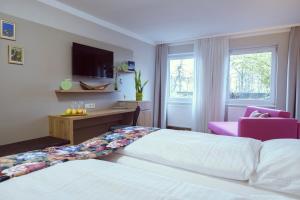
27,91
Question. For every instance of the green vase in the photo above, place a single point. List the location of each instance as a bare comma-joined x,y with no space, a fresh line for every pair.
139,96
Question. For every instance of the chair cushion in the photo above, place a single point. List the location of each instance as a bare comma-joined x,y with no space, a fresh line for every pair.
255,114
224,128
259,115
272,112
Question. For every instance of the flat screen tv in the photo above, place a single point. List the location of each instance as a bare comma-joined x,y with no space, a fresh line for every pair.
92,62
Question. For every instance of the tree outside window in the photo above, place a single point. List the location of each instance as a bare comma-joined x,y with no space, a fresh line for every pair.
250,75
181,78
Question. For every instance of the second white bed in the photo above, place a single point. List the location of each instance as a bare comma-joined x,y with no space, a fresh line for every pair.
219,162
240,188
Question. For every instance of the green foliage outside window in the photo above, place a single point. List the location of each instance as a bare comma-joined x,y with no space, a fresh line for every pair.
250,76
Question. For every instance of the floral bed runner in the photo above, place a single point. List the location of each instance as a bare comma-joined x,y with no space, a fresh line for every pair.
24,163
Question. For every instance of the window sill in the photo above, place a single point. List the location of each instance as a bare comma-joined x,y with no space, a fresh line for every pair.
245,105
179,102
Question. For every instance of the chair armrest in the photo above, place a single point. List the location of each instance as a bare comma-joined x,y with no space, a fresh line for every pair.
267,128
298,125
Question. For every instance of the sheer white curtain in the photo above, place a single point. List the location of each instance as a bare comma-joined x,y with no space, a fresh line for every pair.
293,80
160,107
210,81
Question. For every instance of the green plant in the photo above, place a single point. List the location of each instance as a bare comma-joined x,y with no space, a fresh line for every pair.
139,87
116,75
123,67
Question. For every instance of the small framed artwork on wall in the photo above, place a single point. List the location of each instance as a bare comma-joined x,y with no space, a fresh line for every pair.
15,55
8,30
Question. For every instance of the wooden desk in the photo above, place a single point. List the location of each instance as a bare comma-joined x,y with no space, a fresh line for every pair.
80,128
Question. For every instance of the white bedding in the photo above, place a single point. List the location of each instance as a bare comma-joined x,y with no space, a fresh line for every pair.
279,166
221,156
125,177
241,188
95,179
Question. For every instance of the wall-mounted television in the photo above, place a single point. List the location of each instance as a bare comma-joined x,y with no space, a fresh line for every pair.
91,61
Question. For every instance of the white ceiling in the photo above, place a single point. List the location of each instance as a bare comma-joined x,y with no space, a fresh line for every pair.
173,20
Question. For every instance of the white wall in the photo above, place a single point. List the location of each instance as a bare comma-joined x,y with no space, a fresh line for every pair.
27,92
179,115
143,53
233,113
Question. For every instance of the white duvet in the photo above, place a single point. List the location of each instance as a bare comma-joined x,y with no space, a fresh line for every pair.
221,156
95,179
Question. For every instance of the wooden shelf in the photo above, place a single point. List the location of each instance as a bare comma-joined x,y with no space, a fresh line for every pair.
85,91
126,72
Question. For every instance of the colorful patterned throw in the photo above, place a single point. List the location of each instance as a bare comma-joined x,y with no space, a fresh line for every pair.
24,163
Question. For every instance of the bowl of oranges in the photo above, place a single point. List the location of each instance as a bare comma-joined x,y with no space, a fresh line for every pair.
73,111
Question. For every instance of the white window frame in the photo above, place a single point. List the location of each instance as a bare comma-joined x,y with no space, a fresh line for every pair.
174,57
244,102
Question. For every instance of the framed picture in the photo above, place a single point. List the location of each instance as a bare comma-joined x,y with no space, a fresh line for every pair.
15,55
8,30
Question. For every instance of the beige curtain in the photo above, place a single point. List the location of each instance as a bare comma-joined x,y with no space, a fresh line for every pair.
293,79
160,108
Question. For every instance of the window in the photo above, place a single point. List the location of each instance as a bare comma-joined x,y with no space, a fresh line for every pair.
181,77
252,75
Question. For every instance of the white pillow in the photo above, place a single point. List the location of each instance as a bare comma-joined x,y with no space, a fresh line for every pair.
221,156
255,114
279,166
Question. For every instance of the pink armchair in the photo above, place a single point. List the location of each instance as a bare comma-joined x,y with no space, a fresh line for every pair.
278,125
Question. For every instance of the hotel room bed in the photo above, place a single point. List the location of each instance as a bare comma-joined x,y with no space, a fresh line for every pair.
96,179
274,174
168,164
240,188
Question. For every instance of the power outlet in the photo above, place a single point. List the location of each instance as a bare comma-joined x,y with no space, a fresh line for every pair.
90,105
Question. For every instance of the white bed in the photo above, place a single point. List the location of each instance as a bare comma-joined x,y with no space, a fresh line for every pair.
100,180
241,188
127,177
96,179
228,162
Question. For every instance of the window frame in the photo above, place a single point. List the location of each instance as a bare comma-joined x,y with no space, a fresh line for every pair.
174,57
243,102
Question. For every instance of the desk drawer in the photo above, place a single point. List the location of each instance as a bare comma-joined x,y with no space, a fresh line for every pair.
78,124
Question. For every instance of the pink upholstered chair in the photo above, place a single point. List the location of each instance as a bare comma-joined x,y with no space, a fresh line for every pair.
278,125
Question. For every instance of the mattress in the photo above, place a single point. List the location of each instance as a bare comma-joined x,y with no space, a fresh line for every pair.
223,185
101,180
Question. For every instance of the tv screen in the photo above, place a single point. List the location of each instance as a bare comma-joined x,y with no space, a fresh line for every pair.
92,62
